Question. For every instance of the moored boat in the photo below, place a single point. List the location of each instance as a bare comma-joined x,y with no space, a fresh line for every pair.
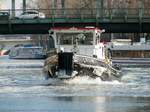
127,53
27,52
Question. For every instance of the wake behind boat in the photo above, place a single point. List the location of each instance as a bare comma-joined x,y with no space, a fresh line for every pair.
78,53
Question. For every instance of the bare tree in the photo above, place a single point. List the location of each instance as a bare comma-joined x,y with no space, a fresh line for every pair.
147,8
41,5
1,4
75,6
80,8
86,7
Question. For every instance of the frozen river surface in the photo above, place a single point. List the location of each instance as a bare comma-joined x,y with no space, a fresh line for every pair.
24,89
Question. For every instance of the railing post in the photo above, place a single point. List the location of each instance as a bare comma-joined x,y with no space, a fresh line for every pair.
13,8
53,5
141,9
99,9
110,14
63,7
141,12
9,22
24,5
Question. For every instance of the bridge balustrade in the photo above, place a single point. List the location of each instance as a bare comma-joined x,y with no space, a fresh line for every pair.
93,13
130,20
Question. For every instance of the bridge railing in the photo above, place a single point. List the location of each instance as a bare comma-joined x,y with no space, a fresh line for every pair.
91,13
85,13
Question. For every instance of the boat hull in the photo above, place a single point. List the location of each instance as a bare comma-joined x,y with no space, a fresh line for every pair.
83,66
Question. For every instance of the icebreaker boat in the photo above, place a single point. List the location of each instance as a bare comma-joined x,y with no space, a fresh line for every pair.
78,52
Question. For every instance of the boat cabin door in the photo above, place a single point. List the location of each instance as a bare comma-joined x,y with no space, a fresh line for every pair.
99,49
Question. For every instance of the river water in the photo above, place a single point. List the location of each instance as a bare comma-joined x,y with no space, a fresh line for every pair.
23,88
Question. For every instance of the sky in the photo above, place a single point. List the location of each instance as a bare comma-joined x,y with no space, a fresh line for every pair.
7,4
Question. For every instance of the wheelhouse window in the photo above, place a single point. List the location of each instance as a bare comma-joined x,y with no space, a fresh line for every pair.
85,39
64,38
75,38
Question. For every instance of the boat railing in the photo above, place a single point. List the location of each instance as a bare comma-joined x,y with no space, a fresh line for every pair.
96,62
89,60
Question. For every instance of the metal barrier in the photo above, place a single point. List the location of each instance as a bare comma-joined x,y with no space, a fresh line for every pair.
110,19
88,13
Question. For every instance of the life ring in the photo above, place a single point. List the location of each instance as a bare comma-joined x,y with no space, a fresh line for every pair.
14,53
